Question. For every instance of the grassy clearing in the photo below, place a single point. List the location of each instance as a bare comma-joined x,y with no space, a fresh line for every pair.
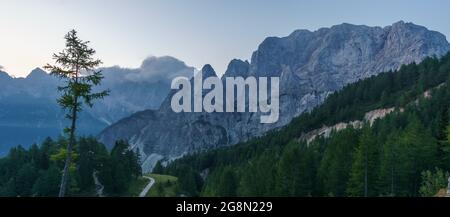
165,186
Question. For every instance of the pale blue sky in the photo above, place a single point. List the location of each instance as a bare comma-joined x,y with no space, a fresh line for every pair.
124,32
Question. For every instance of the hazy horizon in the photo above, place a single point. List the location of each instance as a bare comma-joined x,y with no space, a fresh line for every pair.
197,32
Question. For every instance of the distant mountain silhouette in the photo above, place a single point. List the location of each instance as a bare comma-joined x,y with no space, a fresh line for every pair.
29,112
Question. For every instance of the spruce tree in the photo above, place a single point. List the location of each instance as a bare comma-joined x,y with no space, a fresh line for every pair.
363,174
76,67
390,164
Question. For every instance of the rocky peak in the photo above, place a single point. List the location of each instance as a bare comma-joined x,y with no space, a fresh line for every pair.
208,71
37,73
4,76
237,68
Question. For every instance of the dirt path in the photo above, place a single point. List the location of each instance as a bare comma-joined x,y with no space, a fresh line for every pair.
148,187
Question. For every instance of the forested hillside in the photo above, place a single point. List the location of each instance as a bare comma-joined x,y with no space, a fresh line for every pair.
37,171
404,154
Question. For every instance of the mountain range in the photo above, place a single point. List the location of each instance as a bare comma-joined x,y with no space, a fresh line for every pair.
29,112
311,65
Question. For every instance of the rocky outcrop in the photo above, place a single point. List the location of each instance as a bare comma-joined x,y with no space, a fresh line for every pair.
325,131
311,65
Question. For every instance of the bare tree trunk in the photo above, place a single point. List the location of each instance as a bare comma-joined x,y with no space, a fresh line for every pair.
65,175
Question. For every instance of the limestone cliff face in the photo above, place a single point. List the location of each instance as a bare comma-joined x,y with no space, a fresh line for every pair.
311,65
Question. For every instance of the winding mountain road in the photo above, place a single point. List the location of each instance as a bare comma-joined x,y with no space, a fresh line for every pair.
148,187
98,186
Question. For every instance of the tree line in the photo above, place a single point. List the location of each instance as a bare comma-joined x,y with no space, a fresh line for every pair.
36,172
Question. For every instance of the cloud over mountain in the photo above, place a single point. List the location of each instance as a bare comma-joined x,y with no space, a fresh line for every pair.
152,70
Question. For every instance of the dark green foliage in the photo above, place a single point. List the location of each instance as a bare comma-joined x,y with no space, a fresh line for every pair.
158,169
387,158
121,167
261,180
37,171
48,183
334,171
190,181
364,172
225,185
296,164
87,161
432,182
